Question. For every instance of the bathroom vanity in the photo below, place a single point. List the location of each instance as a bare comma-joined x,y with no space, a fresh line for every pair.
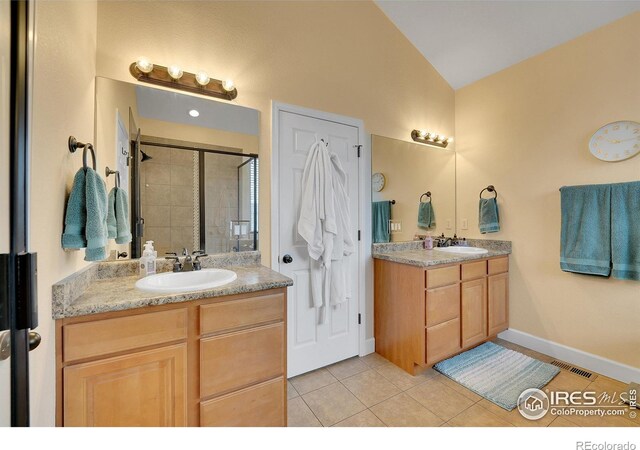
205,358
430,305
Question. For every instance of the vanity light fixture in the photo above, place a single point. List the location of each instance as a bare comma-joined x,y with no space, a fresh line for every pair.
431,138
174,77
194,113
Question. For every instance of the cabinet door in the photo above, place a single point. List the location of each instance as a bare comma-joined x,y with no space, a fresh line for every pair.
498,303
443,340
144,389
474,312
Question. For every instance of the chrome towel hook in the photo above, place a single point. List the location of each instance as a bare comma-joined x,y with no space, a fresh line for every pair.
490,188
108,172
74,145
428,195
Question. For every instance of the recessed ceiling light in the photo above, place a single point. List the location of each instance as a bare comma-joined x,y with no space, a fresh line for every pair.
194,113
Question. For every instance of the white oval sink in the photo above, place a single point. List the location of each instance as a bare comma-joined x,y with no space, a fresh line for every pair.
463,250
172,282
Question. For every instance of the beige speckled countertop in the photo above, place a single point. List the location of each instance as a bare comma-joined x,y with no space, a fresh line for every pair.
108,287
411,253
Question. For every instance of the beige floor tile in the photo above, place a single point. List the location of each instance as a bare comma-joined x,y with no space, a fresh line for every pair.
299,414
514,417
347,368
403,411
562,422
311,381
363,419
566,381
291,391
370,387
440,399
374,360
460,389
332,404
523,350
477,416
400,378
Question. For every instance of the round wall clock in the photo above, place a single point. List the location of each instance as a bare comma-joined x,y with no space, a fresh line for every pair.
616,141
377,181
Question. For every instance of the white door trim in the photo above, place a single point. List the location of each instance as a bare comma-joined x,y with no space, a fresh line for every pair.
365,263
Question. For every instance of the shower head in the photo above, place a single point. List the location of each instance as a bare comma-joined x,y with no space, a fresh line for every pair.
145,157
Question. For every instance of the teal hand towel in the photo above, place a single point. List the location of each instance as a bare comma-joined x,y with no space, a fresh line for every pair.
97,210
112,224
625,230
585,236
381,212
489,217
122,217
75,217
426,215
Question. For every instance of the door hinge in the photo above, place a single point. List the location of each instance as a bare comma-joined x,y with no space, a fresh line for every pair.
359,147
359,319
358,234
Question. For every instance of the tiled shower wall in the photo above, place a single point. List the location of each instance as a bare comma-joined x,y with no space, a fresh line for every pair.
221,200
169,195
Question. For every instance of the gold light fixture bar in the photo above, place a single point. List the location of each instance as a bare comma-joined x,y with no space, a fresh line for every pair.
429,138
186,81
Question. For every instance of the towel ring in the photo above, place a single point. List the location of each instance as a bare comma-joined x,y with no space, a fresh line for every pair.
490,188
108,172
428,194
74,145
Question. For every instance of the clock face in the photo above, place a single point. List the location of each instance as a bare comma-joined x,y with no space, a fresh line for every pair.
377,181
616,141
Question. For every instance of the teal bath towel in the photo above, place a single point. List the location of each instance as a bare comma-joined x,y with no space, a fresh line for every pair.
625,230
585,236
489,218
426,215
381,214
96,211
118,216
75,218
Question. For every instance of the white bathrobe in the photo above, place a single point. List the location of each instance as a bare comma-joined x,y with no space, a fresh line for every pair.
325,225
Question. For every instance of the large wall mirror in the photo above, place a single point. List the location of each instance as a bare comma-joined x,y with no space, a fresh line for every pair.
189,164
402,173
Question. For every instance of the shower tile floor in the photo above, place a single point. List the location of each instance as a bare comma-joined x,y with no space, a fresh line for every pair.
372,392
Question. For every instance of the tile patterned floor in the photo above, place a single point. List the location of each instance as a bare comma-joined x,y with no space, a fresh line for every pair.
372,392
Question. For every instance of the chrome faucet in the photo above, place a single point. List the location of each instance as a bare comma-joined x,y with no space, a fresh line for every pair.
443,241
190,263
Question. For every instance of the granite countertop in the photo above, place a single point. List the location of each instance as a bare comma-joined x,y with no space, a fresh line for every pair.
413,254
99,289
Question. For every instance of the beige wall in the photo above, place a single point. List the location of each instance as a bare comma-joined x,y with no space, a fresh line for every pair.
62,105
526,130
410,170
341,57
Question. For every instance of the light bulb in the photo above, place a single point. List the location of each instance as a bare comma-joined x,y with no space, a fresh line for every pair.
228,86
194,113
175,72
144,65
202,78
450,139
422,133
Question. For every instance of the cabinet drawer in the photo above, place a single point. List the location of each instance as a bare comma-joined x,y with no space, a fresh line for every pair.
443,276
235,360
443,340
473,270
443,304
235,314
498,265
90,339
256,406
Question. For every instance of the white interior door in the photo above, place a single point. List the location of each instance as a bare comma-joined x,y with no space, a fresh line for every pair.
311,344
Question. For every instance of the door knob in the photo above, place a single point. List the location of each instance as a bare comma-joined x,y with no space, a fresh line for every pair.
34,340
5,343
287,259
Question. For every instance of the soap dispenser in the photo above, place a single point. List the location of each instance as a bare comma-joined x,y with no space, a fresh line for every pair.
148,260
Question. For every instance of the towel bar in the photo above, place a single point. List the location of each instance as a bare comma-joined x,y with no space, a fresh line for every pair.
74,145
490,188
108,172
428,194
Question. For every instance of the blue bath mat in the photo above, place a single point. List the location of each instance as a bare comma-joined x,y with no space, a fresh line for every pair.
496,373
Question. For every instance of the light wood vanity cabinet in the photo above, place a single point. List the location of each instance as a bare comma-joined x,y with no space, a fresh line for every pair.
423,316
211,362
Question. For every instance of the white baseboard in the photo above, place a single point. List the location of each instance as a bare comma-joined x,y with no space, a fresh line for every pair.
369,347
604,366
